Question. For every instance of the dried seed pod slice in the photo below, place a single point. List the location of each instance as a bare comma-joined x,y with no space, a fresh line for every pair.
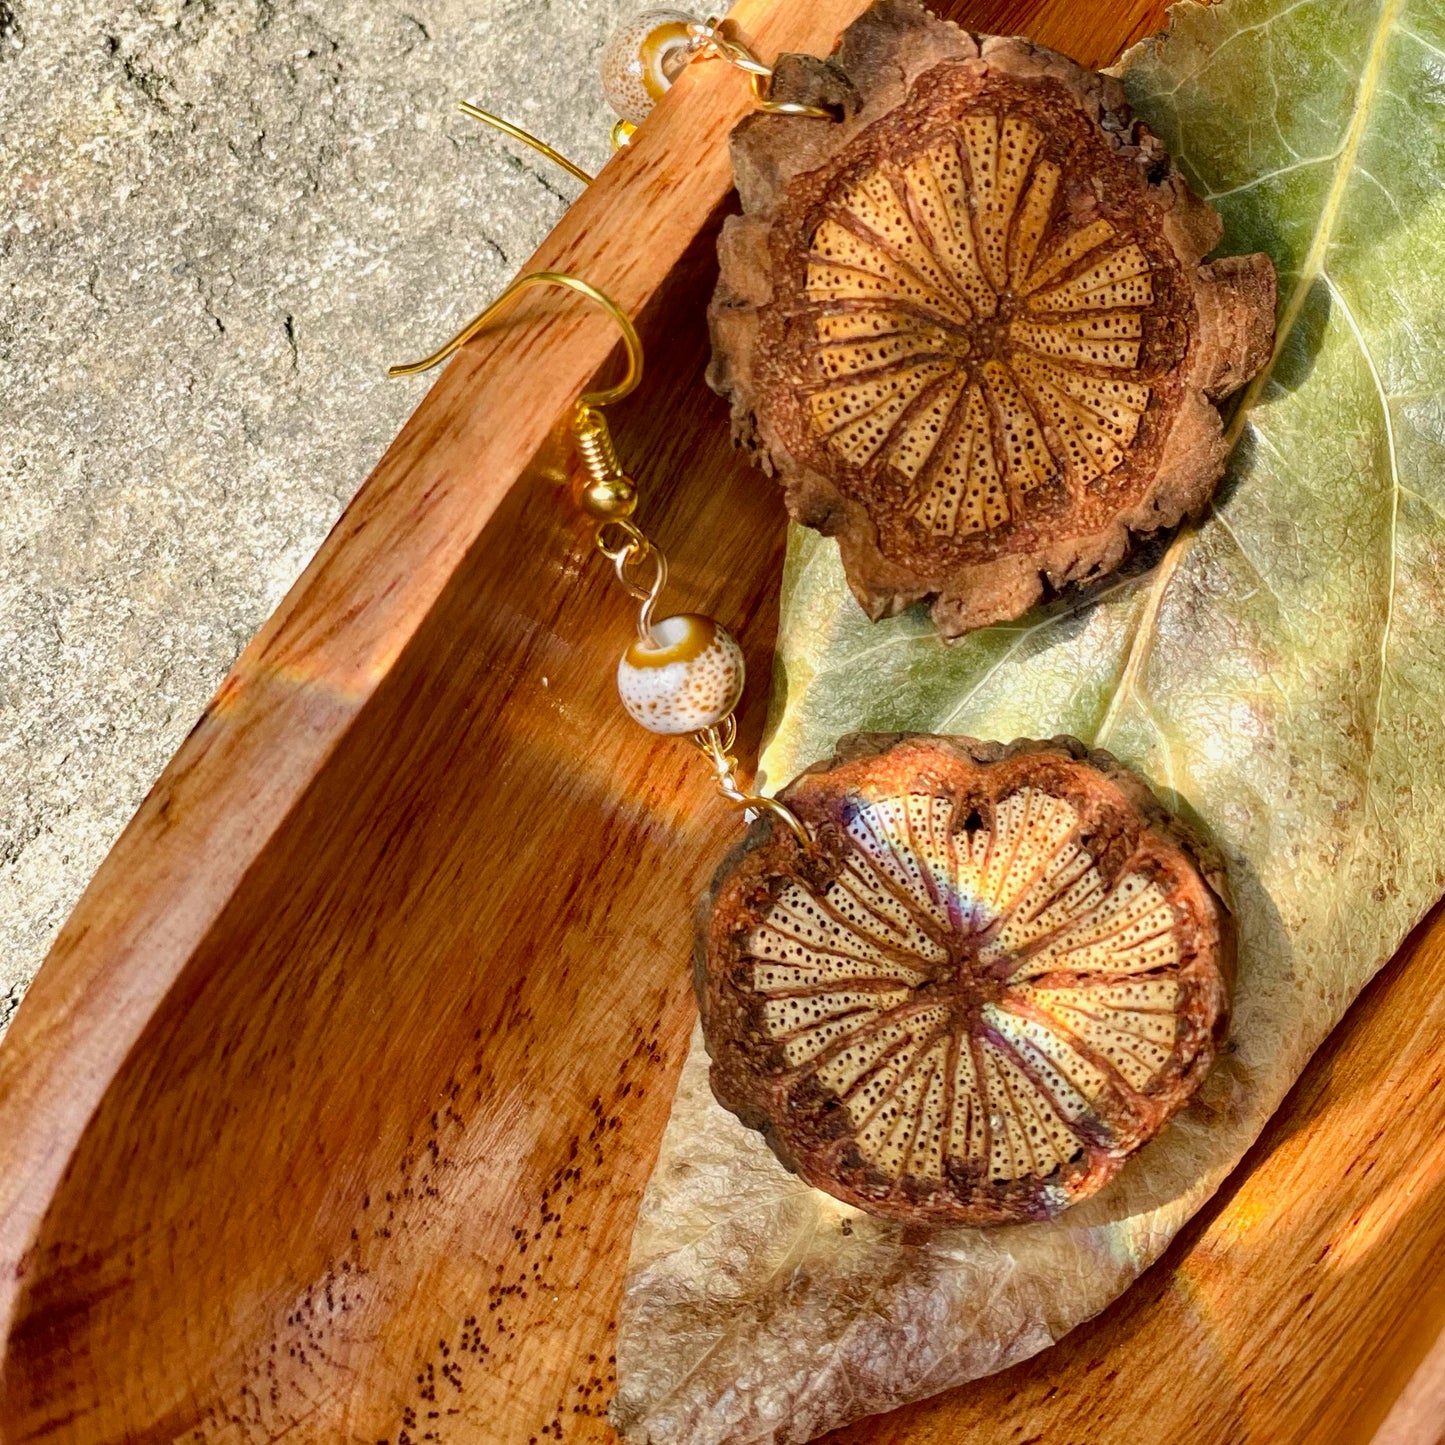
999,972
970,325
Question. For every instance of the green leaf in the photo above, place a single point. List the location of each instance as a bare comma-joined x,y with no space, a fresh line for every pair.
1279,675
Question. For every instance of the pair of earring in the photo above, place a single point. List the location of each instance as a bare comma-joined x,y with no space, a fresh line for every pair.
966,317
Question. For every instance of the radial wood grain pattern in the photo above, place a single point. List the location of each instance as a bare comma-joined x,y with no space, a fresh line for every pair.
326,1114
1000,971
1302,1305
1049,311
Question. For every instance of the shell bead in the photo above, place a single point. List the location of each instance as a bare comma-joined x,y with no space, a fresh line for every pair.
689,678
643,58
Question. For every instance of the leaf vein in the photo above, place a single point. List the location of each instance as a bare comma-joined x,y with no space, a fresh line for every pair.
1421,42
1278,171
1348,313
1423,500
1143,628
1248,558
1312,268
1259,25
790,1260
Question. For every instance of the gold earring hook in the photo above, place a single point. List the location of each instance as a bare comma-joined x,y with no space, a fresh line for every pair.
630,338
709,42
526,137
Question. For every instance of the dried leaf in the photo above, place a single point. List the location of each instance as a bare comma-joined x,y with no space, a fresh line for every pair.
1279,675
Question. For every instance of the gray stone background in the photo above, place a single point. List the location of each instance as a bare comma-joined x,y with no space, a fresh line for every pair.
220,220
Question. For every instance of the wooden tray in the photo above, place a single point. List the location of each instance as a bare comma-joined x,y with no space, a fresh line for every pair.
328,1115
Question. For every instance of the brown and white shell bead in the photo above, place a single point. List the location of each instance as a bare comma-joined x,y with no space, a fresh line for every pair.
643,58
687,678
998,972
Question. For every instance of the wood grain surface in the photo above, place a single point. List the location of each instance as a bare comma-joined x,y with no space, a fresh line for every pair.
328,1116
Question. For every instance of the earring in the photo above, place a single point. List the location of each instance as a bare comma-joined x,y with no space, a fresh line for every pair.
951,981
646,56
682,675
969,325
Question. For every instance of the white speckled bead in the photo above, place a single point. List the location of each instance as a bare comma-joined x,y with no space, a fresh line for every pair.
692,679
643,59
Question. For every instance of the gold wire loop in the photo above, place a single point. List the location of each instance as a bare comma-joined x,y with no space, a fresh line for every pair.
717,743
648,595
728,734
628,554
714,44
634,546
591,400
759,802
783,107
629,567
724,47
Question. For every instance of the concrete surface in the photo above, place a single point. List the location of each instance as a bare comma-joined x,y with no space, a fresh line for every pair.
219,221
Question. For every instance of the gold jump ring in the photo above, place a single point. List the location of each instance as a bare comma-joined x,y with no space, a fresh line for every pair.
633,547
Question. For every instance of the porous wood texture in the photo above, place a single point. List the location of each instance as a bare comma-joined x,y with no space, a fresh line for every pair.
1303,1304
997,971
328,1116
983,376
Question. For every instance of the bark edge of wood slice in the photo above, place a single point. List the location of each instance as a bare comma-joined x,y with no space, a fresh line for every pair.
969,325
999,972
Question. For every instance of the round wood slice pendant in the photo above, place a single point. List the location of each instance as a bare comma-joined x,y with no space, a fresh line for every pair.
968,325
997,974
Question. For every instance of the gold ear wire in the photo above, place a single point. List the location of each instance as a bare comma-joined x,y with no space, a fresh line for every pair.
711,43
610,495
526,137
630,338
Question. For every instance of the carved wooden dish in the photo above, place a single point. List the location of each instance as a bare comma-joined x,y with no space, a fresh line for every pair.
327,1117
